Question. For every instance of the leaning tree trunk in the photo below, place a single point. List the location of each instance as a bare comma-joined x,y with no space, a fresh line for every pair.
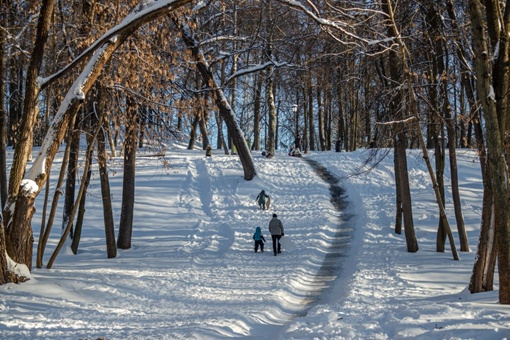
221,101
81,193
45,232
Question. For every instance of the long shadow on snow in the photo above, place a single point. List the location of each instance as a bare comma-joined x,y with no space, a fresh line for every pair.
332,265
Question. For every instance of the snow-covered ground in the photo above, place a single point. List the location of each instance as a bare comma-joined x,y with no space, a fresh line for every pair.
192,272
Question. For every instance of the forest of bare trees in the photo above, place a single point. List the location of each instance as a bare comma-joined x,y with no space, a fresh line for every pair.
96,81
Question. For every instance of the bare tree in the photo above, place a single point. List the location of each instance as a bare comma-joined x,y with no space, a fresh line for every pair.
492,86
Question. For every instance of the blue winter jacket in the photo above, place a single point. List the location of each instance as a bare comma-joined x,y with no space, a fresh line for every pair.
258,235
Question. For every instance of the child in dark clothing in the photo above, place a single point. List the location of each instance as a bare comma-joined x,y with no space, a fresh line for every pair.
261,200
259,239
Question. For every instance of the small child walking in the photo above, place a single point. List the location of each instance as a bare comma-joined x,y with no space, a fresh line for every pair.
259,239
261,200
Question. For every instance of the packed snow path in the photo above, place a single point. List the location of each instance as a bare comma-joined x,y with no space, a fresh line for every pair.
192,272
332,264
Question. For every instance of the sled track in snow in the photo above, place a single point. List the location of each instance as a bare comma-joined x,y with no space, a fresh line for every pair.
331,267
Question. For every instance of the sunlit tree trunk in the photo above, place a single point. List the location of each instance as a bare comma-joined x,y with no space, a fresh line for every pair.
19,235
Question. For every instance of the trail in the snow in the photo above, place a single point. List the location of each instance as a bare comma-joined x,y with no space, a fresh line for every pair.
332,264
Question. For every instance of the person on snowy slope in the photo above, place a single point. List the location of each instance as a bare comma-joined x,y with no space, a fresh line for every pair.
276,230
259,239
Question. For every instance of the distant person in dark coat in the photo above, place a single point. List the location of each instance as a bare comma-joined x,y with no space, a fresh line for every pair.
276,230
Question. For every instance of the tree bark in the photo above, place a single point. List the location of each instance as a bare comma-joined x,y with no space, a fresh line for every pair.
411,241
398,190
109,225
494,109
19,238
128,182
3,112
72,169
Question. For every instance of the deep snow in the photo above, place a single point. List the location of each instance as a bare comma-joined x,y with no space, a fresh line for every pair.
192,272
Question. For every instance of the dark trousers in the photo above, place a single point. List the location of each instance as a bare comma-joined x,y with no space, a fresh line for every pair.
259,243
276,239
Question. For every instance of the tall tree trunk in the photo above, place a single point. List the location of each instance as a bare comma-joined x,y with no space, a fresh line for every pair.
454,178
492,96
399,209
411,241
128,183
203,130
483,272
271,135
102,157
72,171
256,112
19,236
24,143
311,124
193,131
320,119
86,178
4,5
